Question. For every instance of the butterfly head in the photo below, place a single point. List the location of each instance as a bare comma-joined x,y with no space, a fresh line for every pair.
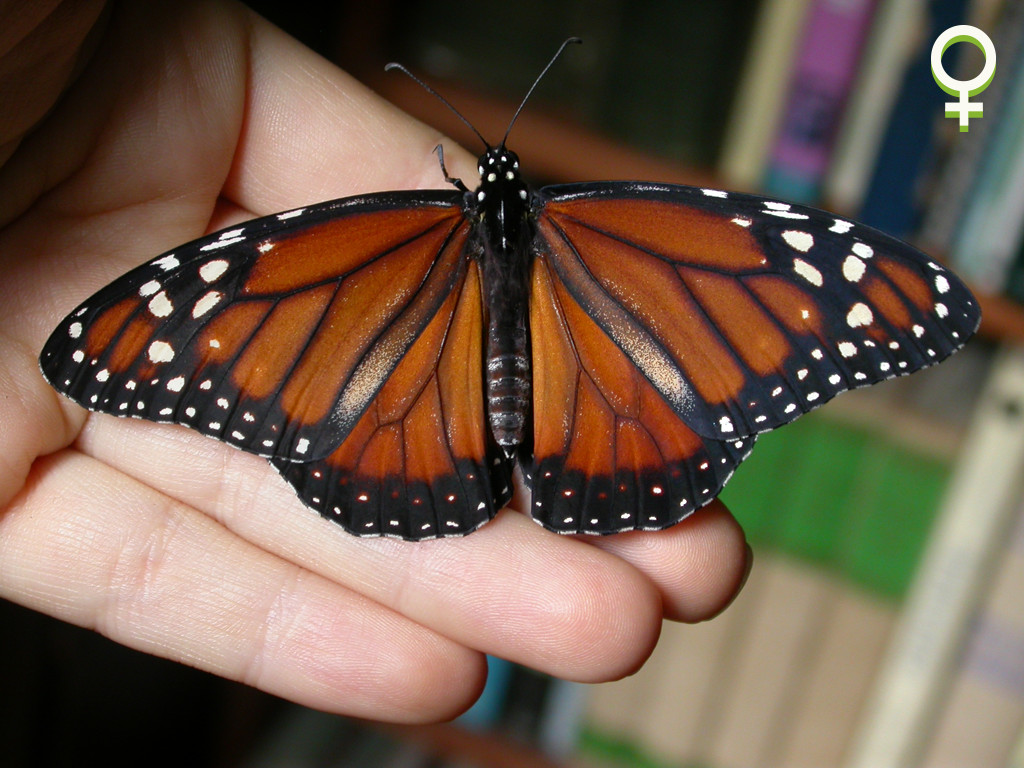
499,175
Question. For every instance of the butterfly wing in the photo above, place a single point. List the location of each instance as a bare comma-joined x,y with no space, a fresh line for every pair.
279,335
608,453
672,324
420,463
745,312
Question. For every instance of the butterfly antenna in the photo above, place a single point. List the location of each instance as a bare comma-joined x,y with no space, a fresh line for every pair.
442,99
540,77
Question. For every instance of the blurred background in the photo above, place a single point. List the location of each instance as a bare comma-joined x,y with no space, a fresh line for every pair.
883,624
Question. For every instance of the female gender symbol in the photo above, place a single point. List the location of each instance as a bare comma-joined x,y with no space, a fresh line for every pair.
963,88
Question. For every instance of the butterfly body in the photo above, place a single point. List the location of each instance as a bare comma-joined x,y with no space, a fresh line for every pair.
505,235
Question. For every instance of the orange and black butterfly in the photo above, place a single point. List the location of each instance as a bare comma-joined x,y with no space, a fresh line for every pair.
395,354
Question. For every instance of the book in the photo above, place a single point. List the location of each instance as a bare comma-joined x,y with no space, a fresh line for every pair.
893,201
967,153
782,630
835,680
983,714
990,231
947,588
686,687
888,51
761,94
822,78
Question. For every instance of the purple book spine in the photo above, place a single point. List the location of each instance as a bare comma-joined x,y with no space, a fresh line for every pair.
823,75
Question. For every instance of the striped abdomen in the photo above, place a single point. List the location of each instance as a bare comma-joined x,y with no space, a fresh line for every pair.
508,383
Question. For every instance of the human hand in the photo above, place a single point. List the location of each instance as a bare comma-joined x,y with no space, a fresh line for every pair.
185,119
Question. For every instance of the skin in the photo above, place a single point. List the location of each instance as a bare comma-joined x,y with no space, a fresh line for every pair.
125,132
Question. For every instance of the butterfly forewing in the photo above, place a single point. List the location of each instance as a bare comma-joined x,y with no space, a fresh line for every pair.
745,312
273,335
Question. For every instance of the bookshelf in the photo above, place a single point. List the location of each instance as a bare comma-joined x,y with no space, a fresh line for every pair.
832,687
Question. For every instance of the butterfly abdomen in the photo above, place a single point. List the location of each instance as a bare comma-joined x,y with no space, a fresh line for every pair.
508,383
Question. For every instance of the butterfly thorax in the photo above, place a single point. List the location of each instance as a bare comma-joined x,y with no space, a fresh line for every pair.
502,204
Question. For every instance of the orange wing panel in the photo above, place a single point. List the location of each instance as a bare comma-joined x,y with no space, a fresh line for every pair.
609,453
672,231
419,462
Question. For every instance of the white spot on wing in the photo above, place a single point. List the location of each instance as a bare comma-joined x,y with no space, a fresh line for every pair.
148,289
160,352
798,240
206,303
167,263
782,210
176,384
160,305
715,193
859,314
211,270
842,227
847,349
853,269
808,272
863,250
290,214
230,237
75,330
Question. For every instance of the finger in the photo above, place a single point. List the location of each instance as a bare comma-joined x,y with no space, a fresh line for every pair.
698,565
86,544
511,589
312,133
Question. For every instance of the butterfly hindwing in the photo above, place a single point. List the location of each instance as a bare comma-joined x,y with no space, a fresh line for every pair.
420,463
745,312
273,335
609,453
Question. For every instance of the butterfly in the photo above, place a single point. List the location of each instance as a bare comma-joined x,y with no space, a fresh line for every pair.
395,355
